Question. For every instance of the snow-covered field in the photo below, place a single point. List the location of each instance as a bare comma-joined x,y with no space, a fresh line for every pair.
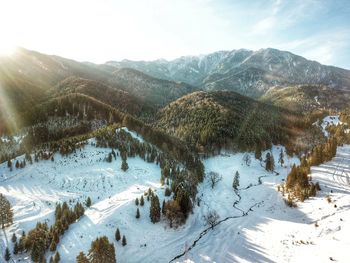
254,225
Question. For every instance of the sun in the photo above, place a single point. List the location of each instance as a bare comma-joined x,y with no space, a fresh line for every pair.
6,49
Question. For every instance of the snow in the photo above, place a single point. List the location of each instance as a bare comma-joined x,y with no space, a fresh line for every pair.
329,120
254,225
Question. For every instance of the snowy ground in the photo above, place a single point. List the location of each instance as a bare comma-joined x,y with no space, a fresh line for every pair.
254,226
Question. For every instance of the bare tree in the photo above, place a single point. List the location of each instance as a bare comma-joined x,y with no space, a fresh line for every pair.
214,178
211,218
247,159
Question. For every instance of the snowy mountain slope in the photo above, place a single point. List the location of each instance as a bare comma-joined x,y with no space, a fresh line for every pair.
248,72
254,223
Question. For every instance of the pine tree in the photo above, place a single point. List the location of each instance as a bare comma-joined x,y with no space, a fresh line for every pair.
124,241
9,164
142,201
14,238
280,159
124,166
15,249
269,162
7,254
257,153
235,183
136,201
102,251
81,258
57,257
137,213
163,207
6,214
53,245
88,202
117,235
51,259
17,164
155,209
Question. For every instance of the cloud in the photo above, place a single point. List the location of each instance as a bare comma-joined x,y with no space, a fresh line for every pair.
324,47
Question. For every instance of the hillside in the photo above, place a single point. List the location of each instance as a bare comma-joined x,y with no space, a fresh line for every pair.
152,90
307,98
28,78
215,120
117,98
250,73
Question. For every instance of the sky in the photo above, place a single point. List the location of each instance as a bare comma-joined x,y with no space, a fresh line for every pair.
102,30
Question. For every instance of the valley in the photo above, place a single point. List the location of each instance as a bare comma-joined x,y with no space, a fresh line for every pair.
239,156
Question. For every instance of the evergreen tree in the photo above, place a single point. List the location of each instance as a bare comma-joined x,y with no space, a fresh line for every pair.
137,201
155,209
15,248
137,213
7,254
81,258
6,214
57,257
124,241
51,259
88,202
102,251
124,166
269,162
17,164
9,164
163,207
142,201
281,158
117,235
14,238
235,183
53,245
257,153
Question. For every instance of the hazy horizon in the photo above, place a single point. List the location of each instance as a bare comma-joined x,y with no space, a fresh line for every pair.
100,31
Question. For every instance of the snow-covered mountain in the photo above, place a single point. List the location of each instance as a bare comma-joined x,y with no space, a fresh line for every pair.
248,72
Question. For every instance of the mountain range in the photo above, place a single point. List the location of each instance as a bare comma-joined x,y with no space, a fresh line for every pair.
251,73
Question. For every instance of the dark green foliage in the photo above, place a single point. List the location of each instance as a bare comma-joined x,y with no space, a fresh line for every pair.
124,166
88,202
163,207
155,209
7,255
37,241
124,241
167,191
137,213
269,162
6,214
117,234
81,258
14,238
297,182
136,201
102,251
257,152
281,158
15,248
57,257
215,120
142,201
53,245
41,238
173,213
235,183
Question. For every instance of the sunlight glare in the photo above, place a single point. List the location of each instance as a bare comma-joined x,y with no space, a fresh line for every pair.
7,49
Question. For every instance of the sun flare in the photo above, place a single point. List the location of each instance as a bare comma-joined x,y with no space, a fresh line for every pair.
7,49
